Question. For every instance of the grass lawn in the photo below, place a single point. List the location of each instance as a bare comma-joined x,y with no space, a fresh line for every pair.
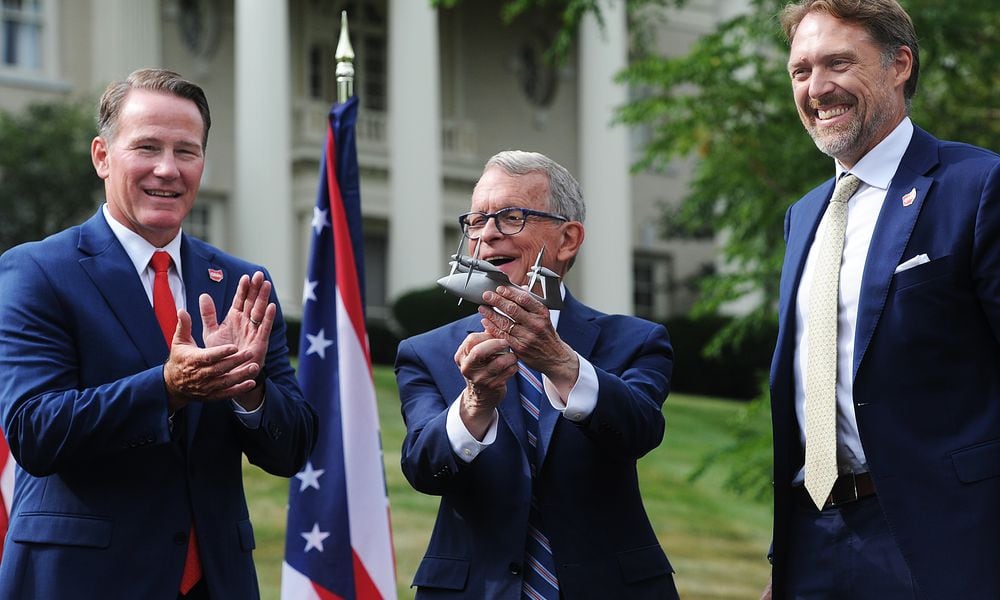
716,541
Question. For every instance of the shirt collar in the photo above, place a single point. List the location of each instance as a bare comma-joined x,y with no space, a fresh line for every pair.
878,166
138,249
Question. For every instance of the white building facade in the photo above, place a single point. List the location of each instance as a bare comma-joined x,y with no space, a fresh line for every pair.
441,91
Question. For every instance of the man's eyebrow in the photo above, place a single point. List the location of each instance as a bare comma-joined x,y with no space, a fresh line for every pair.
846,53
152,139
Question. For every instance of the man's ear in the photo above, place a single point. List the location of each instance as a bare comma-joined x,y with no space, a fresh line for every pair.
570,241
99,156
903,65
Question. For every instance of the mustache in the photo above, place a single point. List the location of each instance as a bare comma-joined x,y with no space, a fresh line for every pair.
830,100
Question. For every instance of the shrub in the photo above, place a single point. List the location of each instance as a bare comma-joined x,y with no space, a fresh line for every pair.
47,180
424,309
383,342
735,372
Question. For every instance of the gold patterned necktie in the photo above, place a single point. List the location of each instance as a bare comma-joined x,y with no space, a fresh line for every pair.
821,357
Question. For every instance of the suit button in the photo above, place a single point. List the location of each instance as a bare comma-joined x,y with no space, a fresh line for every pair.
515,568
180,538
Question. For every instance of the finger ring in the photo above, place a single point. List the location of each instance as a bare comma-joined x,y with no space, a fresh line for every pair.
511,328
255,323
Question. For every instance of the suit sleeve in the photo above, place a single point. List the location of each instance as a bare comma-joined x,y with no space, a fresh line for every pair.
628,419
51,421
427,460
986,249
289,425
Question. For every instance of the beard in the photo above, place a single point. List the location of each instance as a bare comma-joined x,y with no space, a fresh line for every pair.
851,140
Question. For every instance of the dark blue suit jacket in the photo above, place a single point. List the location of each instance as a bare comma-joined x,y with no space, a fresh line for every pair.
926,367
587,486
103,496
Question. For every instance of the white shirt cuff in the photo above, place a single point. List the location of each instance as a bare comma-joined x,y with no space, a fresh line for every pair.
250,419
462,442
582,398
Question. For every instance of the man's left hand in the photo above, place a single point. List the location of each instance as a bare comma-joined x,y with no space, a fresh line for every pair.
528,329
247,326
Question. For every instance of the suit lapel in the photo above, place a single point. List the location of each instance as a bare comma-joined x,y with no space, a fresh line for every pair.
805,218
109,267
802,222
576,328
892,233
511,413
199,268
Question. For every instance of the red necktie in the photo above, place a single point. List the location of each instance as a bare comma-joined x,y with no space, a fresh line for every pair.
163,300
166,314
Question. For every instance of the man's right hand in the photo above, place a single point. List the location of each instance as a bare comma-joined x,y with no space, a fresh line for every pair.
487,365
194,374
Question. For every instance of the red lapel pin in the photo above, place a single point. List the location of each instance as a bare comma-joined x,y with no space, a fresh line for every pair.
910,197
215,275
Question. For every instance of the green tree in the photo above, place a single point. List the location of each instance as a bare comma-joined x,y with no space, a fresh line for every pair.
728,102
47,181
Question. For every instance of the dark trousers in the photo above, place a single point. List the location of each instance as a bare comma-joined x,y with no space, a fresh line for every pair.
845,552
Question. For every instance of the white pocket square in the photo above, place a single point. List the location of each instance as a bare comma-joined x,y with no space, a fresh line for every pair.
913,262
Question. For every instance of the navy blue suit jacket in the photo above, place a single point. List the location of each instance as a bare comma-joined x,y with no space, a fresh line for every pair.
926,367
587,487
104,498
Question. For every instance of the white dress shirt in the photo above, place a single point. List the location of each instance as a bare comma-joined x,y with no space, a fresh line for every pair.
875,170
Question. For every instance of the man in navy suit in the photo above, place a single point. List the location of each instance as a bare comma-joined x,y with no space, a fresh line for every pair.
916,380
129,426
544,502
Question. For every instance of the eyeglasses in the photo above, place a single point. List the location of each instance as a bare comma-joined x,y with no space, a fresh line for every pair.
509,221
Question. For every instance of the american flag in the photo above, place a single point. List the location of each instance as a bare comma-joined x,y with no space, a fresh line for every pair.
338,542
7,465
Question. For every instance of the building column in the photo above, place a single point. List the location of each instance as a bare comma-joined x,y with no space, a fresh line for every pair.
127,35
416,236
606,257
261,209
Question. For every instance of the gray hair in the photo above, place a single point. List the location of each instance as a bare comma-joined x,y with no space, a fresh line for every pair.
565,197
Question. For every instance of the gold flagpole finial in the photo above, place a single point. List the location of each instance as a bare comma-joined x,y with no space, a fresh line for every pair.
345,62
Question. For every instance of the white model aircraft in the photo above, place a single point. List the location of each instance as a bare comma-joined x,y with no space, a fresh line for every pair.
470,277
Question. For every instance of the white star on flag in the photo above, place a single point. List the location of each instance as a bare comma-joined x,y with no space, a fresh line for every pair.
318,344
309,291
320,219
309,477
314,538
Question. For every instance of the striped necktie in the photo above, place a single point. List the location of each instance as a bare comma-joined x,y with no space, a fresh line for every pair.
821,357
540,573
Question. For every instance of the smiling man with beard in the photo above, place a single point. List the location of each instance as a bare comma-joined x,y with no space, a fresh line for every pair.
885,382
529,422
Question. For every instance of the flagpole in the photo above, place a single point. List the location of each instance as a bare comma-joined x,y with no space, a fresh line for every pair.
345,62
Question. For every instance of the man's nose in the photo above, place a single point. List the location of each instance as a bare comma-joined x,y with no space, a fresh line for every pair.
820,84
491,231
166,166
